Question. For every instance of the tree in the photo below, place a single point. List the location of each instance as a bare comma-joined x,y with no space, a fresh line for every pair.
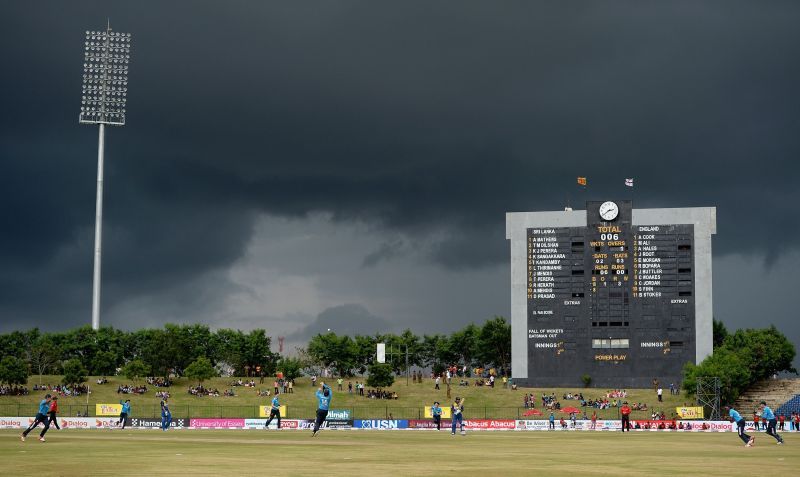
13,371
135,370
104,363
334,352
720,333
494,343
766,351
734,374
200,369
464,344
74,372
380,376
256,352
290,367
743,358
42,356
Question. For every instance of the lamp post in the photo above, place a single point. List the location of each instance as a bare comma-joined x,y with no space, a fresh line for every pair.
105,88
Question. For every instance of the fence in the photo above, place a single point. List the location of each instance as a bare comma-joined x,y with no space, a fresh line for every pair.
305,412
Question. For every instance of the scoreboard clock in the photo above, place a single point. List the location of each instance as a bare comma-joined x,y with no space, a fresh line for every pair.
609,210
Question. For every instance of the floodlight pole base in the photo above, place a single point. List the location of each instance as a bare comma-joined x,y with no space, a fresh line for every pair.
98,230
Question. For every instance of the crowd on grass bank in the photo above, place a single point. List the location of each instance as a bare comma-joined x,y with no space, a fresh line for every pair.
131,389
63,389
7,390
613,399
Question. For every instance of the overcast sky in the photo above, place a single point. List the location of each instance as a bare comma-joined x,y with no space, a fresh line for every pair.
299,166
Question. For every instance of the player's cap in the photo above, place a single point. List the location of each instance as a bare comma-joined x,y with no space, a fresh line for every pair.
763,403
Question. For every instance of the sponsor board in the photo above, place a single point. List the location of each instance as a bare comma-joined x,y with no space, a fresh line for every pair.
445,412
154,423
380,424
338,424
259,423
695,412
490,424
220,423
338,415
263,411
13,422
706,426
425,424
107,409
531,425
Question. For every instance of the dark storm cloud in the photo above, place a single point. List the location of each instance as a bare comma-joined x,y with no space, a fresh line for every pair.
428,119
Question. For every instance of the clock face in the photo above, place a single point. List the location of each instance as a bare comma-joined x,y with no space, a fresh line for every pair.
609,210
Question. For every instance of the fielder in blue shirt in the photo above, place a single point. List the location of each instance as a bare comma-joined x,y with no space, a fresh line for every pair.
769,416
324,395
740,423
124,413
275,411
436,411
41,418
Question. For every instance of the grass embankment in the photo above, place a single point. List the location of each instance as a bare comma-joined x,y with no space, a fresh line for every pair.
480,401
347,453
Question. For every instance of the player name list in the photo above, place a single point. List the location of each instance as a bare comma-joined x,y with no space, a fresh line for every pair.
549,264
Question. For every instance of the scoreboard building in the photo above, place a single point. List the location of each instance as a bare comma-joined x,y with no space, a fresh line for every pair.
622,295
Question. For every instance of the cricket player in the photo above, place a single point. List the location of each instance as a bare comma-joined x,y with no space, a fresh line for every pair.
436,411
769,417
166,416
740,423
41,418
458,418
54,413
124,413
275,411
324,395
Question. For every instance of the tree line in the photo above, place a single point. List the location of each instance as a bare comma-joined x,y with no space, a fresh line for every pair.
198,352
486,346
155,352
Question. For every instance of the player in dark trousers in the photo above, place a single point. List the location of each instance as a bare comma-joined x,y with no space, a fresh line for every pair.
166,416
740,423
324,395
126,411
41,418
54,413
625,412
275,411
769,416
457,410
436,412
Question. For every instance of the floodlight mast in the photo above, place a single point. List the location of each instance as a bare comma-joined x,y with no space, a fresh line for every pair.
105,88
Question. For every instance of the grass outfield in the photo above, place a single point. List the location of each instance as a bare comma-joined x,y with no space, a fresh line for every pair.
498,403
348,453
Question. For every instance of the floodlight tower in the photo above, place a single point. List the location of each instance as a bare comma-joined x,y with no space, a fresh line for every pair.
105,87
